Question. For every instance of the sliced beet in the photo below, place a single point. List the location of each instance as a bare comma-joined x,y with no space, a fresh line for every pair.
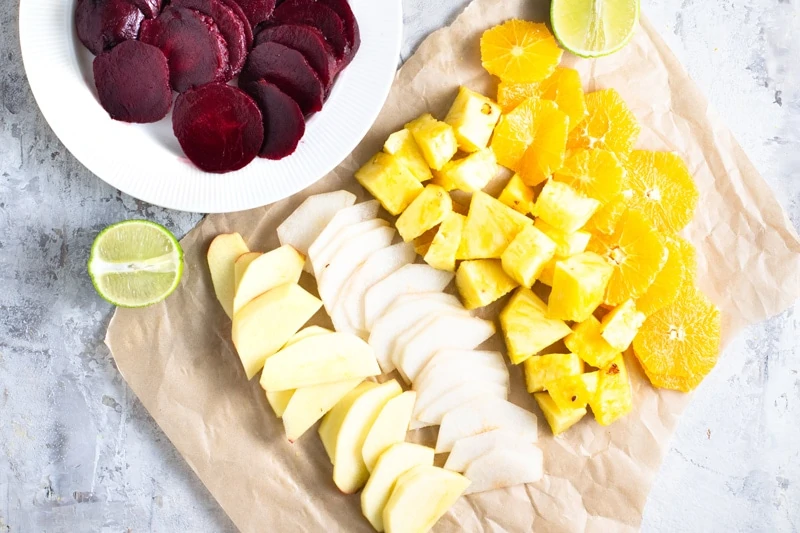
257,11
103,24
306,40
231,27
196,51
351,31
219,127
237,10
287,69
319,16
284,124
150,8
132,81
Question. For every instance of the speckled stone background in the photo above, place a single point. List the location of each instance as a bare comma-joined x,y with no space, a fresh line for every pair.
78,453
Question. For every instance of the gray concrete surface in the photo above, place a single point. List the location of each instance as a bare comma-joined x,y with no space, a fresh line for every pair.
78,453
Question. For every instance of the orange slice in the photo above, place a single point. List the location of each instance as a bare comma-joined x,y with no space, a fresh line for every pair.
519,51
607,217
678,271
563,87
609,124
596,173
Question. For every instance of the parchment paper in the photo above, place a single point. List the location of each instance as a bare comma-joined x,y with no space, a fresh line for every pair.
178,359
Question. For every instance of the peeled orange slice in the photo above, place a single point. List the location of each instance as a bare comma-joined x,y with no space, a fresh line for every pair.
609,124
563,87
596,173
677,272
520,51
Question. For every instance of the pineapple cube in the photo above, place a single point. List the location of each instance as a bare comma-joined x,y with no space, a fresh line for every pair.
527,255
567,244
390,182
473,117
490,227
436,140
579,284
402,144
517,195
427,210
574,391
586,341
441,253
563,207
470,173
542,370
614,398
481,282
548,270
620,326
559,419
526,327
423,243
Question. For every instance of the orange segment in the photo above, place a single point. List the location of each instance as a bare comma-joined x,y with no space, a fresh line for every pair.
607,217
679,345
563,87
636,251
662,189
678,271
510,95
596,173
519,51
609,124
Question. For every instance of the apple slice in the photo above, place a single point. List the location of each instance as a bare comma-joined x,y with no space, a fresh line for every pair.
421,496
239,266
406,280
503,467
466,450
264,325
345,217
445,363
389,428
332,421
281,265
467,392
223,252
482,417
392,463
321,259
304,225
317,360
309,404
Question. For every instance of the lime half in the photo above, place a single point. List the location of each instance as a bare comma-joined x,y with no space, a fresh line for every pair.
594,28
135,263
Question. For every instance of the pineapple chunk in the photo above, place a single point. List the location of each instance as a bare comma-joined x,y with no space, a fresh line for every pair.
427,210
548,270
542,370
473,117
579,284
527,255
402,144
490,228
559,419
436,140
563,207
481,282
567,244
614,398
620,326
469,174
526,327
586,341
423,243
441,253
517,195
574,391
390,182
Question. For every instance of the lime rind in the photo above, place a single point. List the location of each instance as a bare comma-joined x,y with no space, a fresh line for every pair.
579,51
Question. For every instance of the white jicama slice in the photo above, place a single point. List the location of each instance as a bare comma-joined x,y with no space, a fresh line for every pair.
342,219
223,252
347,259
392,463
281,265
457,362
419,424
408,279
502,468
436,391
455,331
322,260
317,360
389,428
468,449
446,377
304,225
482,417
309,404
467,392
406,311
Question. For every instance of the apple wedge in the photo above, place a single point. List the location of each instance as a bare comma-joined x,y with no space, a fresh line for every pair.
223,252
421,496
332,421
408,279
309,404
435,407
346,217
396,460
503,467
482,417
468,449
449,364
389,428
317,360
264,325
239,266
281,265
304,225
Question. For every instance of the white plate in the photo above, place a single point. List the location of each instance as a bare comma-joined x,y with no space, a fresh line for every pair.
147,162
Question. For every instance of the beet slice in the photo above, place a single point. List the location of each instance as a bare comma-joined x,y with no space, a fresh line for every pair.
132,81
103,24
219,127
287,69
351,30
196,51
284,124
150,8
306,40
319,16
257,11
230,27
237,10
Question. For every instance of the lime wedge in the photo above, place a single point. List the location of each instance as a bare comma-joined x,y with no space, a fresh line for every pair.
594,28
135,263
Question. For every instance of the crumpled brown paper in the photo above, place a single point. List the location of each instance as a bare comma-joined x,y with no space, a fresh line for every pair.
177,356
